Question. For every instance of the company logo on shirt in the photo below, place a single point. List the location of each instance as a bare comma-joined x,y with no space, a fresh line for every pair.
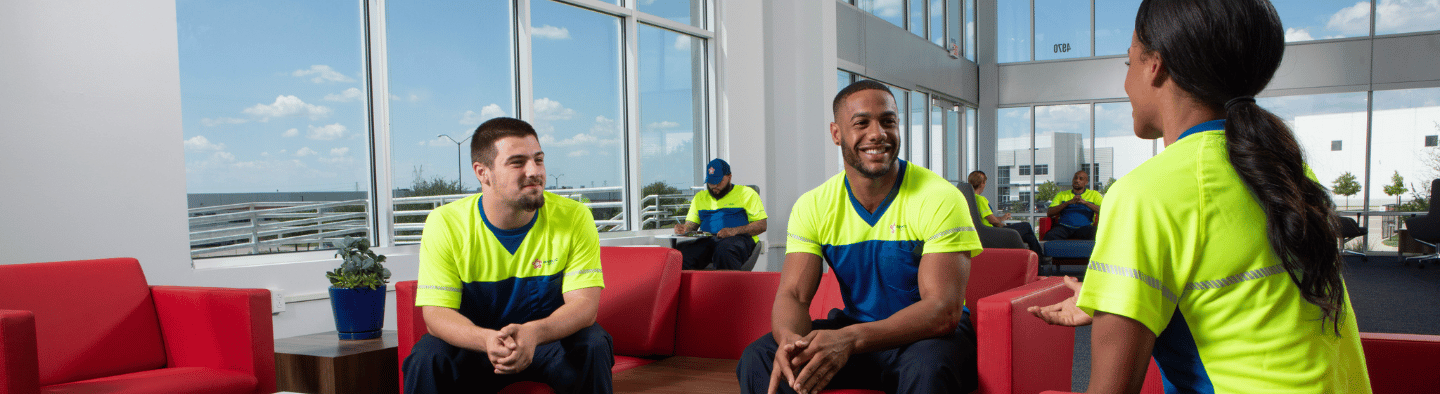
894,227
537,263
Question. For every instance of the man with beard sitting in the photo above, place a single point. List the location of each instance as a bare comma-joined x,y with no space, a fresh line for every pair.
733,213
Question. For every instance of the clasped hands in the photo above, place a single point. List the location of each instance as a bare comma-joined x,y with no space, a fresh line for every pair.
808,363
511,348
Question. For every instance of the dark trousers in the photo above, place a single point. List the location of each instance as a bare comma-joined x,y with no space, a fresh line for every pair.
579,363
1027,234
1059,232
937,365
727,253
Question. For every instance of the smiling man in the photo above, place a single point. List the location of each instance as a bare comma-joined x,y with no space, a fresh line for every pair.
899,239
510,280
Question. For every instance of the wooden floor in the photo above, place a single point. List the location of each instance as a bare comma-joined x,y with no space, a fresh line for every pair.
680,375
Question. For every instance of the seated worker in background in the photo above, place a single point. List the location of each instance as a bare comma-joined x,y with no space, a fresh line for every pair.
510,280
899,239
977,181
1076,209
732,212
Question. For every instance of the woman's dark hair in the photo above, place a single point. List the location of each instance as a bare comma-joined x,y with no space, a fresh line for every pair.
1223,52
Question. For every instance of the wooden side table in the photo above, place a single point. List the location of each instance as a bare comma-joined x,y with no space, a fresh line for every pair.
324,364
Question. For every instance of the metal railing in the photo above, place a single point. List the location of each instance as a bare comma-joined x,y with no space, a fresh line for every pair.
272,227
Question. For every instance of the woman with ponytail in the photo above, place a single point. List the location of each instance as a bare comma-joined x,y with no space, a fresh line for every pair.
1218,255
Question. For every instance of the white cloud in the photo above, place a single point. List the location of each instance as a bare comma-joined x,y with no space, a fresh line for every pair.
411,98
224,156
889,8
470,118
287,106
306,151
662,125
200,143
322,73
547,109
1393,16
605,126
327,132
291,133
1353,20
578,153
351,94
208,122
550,32
682,42
1293,35
337,156
339,151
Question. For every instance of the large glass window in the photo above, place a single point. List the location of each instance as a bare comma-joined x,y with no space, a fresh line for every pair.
1062,29
275,125
1117,150
690,12
892,11
1307,20
449,71
969,41
579,106
1114,24
672,122
1014,31
1013,148
937,21
917,17
915,140
1319,120
1062,145
1402,121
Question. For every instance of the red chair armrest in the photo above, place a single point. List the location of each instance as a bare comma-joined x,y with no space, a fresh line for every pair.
1402,363
19,360
218,328
1043,227
1017,352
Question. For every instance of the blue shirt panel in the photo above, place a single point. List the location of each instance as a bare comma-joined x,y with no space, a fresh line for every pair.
495,305
714,220
877,278
1076,216
1179,360
510,238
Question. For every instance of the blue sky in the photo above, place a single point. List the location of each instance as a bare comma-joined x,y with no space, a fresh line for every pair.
274,96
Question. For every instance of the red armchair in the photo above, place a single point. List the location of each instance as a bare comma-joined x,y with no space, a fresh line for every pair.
637,308
96,326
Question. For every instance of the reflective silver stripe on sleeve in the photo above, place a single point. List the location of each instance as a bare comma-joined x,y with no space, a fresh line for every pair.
950,231
589,271
441,288
1136,274
801,239
1233,279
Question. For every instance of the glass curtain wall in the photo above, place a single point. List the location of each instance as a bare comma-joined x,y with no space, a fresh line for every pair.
939,21
278,148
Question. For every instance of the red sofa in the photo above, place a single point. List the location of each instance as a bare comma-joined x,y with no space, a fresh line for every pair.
96,326
654,310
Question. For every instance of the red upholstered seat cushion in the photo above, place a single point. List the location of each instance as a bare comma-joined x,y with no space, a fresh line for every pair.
637,306
93,318
168,380
997,270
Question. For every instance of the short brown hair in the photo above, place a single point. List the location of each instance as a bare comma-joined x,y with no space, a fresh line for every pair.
482,143
976,178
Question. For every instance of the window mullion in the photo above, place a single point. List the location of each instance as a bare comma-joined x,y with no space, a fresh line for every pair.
629,40
382,180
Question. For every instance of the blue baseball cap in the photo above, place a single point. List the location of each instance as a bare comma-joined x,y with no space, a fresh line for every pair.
716,171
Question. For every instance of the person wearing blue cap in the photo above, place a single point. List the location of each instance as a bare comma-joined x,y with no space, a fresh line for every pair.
733,213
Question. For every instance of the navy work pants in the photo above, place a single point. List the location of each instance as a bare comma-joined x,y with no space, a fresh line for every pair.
579,363
1059,232
943,364
727,253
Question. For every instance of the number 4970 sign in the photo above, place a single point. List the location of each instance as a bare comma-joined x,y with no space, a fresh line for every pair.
1062,48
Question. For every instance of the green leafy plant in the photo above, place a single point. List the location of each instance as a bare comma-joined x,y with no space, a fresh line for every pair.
361,267
1346,186
1396,187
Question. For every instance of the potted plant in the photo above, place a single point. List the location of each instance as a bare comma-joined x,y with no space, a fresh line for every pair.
357,290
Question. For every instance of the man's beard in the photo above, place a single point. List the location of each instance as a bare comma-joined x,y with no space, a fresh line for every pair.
720,194
1078,189
852,158
530,203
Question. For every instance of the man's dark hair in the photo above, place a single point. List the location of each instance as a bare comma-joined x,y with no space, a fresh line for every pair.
976,178
864,84
482,143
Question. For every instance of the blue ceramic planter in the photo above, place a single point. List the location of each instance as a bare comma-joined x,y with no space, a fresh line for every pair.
359,313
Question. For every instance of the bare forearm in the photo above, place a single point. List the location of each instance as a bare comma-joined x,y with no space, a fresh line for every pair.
578,312
921,320
453,328
754,228
994,221
789,318
1120,353
799,279
1055,210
